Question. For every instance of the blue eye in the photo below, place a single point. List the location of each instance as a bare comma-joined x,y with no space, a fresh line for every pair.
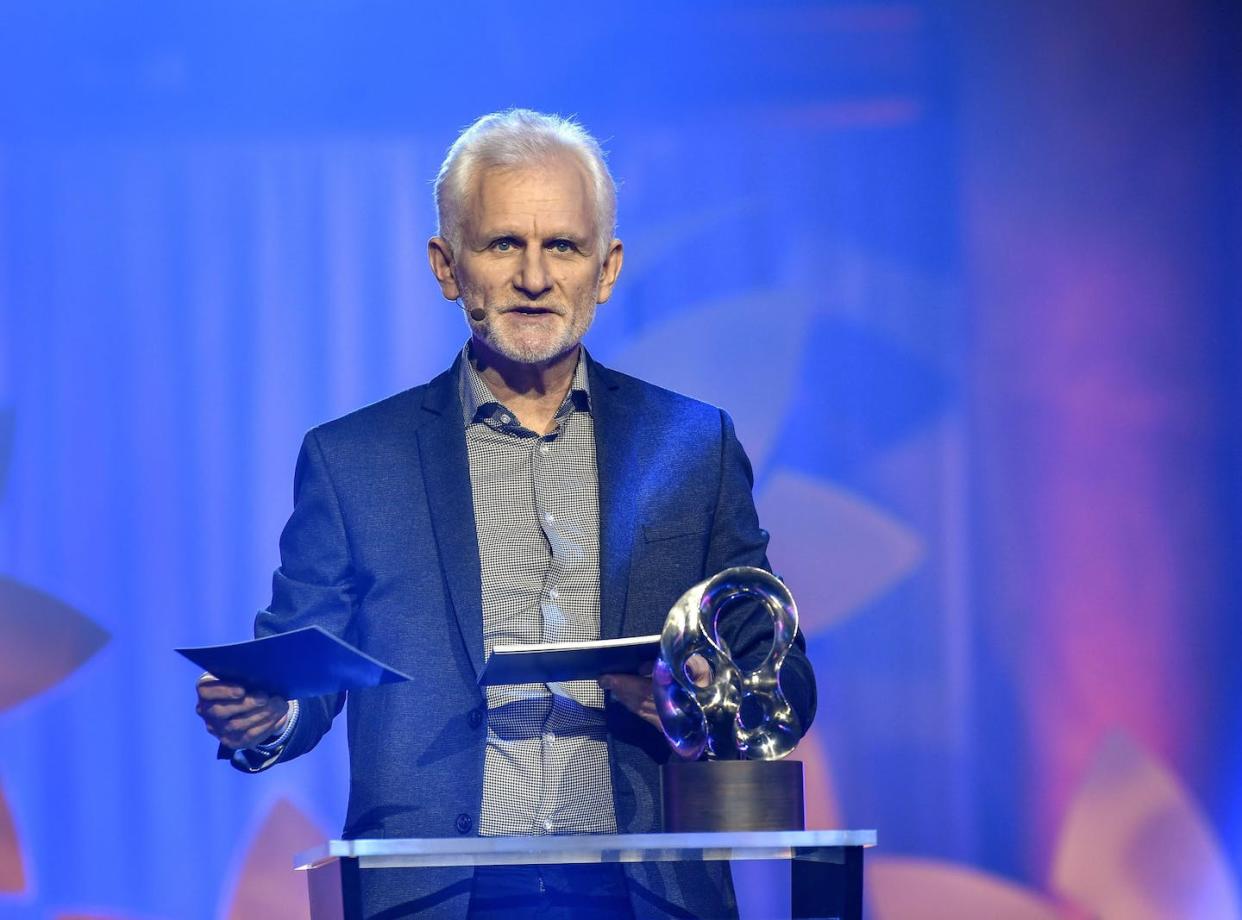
563,246
503,245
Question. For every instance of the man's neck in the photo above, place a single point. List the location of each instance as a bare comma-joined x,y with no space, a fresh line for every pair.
533,392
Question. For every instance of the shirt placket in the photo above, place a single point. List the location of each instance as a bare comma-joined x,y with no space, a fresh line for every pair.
544,473
514,439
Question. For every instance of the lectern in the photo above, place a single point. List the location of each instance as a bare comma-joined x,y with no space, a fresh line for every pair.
826,867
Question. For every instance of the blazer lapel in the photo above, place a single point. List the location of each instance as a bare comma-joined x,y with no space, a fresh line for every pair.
617,441
446,477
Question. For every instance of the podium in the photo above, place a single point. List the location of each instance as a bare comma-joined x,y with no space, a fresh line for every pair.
825,867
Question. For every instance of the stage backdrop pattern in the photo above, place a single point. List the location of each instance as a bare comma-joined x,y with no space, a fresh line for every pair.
964,278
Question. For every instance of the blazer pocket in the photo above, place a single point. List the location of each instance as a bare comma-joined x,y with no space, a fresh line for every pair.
666,530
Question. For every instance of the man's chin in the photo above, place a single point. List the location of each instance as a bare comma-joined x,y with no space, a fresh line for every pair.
529,352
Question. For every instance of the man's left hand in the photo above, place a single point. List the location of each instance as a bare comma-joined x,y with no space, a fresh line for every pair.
635,691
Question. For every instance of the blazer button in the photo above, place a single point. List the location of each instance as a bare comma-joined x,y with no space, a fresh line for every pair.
476,717
464,823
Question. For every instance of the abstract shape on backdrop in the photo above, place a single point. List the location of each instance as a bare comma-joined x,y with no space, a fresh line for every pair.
836,551
6,446
753,336
268,886
12,871
860,393
925,889
1136,845
42,641
823,811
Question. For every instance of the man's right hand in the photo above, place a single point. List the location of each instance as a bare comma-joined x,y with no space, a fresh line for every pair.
239,718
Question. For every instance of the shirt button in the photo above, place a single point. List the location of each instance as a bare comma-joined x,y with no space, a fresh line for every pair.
553,593
547,825
505,420
549,517
464,823
543,449
476,717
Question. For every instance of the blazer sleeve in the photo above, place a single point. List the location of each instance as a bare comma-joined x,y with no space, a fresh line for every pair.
737,539
314,586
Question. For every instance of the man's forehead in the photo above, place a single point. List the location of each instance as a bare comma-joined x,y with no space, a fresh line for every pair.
560,186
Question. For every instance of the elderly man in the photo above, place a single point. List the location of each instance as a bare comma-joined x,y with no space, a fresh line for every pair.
526,494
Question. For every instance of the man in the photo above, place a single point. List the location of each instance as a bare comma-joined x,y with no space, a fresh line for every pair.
527,494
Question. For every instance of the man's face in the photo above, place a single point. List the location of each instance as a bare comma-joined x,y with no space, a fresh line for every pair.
528,270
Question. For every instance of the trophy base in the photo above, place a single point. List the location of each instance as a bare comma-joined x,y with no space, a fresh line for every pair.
733,795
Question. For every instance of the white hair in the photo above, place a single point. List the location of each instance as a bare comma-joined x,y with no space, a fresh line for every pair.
514,138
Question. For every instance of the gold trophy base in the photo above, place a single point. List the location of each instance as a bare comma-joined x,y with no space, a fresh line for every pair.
733,795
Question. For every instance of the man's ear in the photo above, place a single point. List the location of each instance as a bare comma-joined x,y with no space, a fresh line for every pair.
440,255
609,271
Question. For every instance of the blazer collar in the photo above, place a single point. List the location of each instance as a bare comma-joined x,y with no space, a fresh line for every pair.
446,478
618,438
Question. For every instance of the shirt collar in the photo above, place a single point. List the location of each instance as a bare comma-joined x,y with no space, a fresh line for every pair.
477,397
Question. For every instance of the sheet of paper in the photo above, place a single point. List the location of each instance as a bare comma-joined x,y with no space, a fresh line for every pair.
561,661
296,665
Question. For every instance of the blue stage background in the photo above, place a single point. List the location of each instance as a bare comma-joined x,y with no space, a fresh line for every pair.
966,275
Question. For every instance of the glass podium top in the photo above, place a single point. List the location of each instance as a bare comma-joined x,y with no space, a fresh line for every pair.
584,848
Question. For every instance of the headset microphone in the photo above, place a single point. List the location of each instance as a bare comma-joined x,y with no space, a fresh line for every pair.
478,314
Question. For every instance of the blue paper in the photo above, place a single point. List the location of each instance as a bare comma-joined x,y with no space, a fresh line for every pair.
298,664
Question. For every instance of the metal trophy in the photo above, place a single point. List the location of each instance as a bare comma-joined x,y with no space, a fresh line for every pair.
730,733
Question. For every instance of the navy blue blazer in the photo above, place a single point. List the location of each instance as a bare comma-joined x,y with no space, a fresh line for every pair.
381,549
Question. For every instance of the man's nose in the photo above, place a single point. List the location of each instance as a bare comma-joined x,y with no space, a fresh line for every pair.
533,279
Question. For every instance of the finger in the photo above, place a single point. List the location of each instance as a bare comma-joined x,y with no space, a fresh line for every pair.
620,685
226,727
698,670
225,711
247,732
229,722
245,739
220,690
631,691
245,723
645,709
259,732
220,712
256,700
611,683
238,695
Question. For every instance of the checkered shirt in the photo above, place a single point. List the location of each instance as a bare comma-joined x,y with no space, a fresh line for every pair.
536,511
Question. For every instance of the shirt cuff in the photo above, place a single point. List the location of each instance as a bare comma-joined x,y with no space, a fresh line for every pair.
261,756
271,747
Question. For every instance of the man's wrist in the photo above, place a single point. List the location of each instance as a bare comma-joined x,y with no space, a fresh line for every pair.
272,745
